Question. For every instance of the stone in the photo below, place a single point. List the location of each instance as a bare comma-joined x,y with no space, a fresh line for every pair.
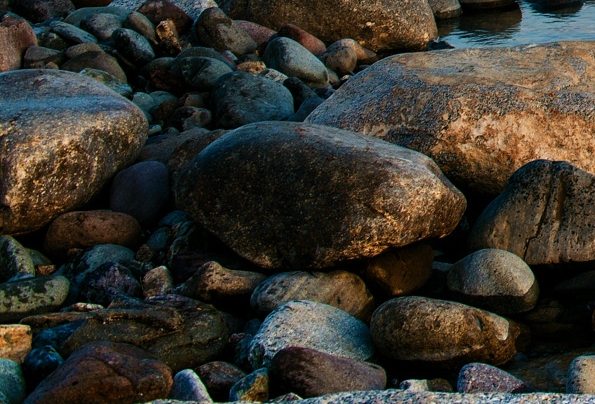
441,333
105,372
580,375
202,73
133,47
96,60
75,17
15,342
168,39
157,281
380,26
306,205
169,149
12,383
292,59
101,25
109,80
483,378
253,387
39,363
340,289
544,215
14,259
513,105
38,56
141,24
219,377
340,59
59,152
90,3
15,37
42,10
71,33
308,324
483,5
400,271
307,40
107,283
494,280
23,298
444,9
364,55
259,33
310,373
241,98
161,10
216,30
188,117
141,191
187,386
418,385
83,229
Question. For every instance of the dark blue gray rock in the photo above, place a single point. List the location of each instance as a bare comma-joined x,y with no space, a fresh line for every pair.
12,383
202,73
133,47
107,283
101,25
188,386
71,33
39,363
216,30
14,259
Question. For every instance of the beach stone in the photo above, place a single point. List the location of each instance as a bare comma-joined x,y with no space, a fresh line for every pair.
161,10
340,59
292,59
483,5
310,169
83,229
531,96
399,271
444,9
96,60
14,259
38,56
484,378
141,24
441,333
418,385
544,215
202,73
157,281
133,47
305,109
141,191
580,375
340,289
216,30
259,33
169,150
16,35
240,98
253,387
90,3
101,25
77,50
187,386
75,17
310,373
308,324
219,377
307,40
12,383
381,25
108,283
105,372
15,342
60,151
23,298
39,363
188,117
42,10
168,39
109,80
300,91
72,33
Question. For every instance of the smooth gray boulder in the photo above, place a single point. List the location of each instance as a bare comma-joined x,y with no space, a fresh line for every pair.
289,195
479,113
62,136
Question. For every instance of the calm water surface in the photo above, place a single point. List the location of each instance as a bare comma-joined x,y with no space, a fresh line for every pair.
526,24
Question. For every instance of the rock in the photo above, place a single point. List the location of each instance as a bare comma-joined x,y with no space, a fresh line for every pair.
91,3
75,17
15,342
83,229
168,39
38,56
15,37
494,280
580,375
399,272
215,30
108,283
141,24
12,383
340,289
417,385
441,333
253,387
306,205
23,298
544,215
141,191
105,372
202,73
189,117
219,377
72,34
96,60
340,59
307,40
483,378
161,10
187,386
109,80
292,59
380,26
478,5
310,373
14,259
444,9
242,98
259,33
303,323
133,47
42,10
39,363
513,105
60,151
157,281
101,25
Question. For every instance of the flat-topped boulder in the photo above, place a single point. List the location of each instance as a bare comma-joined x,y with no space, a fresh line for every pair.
479,113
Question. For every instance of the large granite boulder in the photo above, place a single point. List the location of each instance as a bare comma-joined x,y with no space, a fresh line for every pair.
62,136
378,25
291,195
479,113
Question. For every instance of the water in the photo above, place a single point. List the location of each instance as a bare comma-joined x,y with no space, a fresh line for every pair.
525,24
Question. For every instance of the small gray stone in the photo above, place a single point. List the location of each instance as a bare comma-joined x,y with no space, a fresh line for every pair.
188,387
37,56
96,60
444,9
12,383
109,282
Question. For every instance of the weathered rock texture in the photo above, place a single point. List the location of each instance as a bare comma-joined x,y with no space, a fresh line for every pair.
62,136
290,195
479,113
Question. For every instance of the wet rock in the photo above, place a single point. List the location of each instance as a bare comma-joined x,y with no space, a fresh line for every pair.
15,37
15,342
80,14
253,387
444,9
109,80
518,89
101,25
105,372
340,289
161,10
12,383
307,170
341,59
38,56
94,133
14,259
307,40
303,323
441,333
219,377
39,363
108,283
133,47
72,34
96,60
215,30
141,24
241,98
259,33
42,10
580,375
310,373
187,386
483,378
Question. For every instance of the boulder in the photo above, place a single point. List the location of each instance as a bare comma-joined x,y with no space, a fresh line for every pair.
379,25
480,113
12,383
288,195
215,30
16,35
62,136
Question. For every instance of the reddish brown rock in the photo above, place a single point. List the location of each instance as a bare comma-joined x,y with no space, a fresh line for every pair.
15,37
259,33
307,40
15,341
105,373
42,10
161,10
218,378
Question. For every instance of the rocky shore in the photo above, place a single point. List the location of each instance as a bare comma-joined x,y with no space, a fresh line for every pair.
251,202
